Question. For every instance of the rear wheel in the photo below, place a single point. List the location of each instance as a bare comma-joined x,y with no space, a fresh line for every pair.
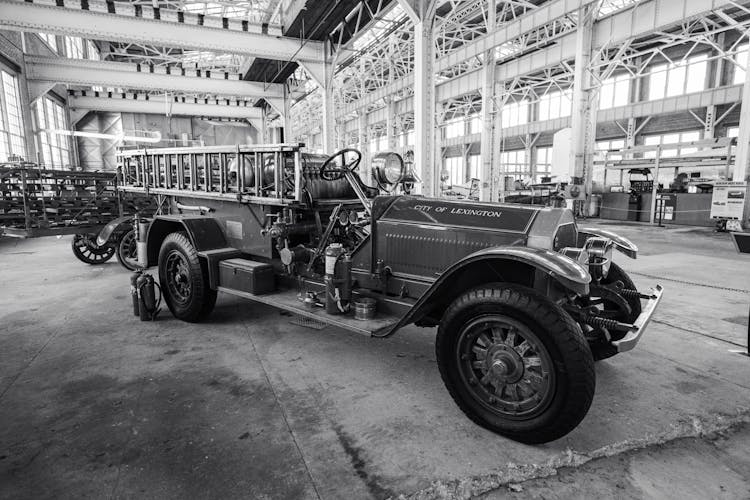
183,279
127,254
86,250
515,363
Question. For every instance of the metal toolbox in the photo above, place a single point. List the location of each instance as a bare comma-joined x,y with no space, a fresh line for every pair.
247,276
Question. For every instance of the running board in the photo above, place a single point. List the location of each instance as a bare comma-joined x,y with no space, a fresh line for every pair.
288,300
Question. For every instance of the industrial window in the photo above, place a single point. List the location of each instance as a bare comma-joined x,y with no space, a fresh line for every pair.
614,92
74,47
475,124
456,171
555,105
50,40
475,167
455,127
54,148
683,77
514,162
739,68
406,139
514,114
543,162
667,139
11,121
733,132
379,143
91,51
603,146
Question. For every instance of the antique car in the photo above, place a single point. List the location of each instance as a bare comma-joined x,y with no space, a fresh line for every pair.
524,301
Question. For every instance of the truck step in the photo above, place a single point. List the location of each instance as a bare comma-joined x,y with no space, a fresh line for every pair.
288,301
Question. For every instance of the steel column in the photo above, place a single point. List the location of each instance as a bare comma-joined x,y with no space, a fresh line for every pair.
742,157
364,137
487,186
584,113
390,123
424,106
329,112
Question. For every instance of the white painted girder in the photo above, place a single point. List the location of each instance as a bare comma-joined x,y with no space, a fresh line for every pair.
161,106
710,97
126,75
381,93
646,17
96,23
543,14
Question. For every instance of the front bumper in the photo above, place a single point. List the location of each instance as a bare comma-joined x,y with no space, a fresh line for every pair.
634,334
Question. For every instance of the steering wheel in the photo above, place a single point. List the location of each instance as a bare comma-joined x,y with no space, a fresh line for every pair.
331,170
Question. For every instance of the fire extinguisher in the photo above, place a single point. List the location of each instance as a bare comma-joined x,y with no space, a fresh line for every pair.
148,306
337,279
134,292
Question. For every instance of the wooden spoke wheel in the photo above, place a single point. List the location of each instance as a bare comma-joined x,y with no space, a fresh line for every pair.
86,250
127,253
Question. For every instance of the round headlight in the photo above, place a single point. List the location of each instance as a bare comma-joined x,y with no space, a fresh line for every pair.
388,168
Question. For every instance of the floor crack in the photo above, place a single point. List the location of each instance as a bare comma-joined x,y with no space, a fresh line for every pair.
466,488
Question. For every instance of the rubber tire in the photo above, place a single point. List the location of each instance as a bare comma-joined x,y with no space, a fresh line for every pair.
203,298
120,251
560,335
616,273
108,252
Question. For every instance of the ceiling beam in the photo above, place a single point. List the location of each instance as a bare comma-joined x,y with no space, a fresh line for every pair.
640,19
160,106
151,26
131,76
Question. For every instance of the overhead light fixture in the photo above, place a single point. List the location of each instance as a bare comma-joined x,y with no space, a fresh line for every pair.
152,138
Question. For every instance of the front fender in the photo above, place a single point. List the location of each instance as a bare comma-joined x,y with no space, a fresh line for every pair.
564,270
115,225
623,244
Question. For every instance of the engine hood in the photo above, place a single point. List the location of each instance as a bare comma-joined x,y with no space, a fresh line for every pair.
456,213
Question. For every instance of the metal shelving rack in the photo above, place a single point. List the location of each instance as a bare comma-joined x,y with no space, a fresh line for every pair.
710,153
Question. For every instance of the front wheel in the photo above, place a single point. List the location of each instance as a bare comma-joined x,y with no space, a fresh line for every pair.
516,363
86,250
183,280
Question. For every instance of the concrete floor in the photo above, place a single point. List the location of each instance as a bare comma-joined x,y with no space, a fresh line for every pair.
95,404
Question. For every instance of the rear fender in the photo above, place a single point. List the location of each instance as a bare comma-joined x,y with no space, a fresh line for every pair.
624,245
204,233
117,225
524,260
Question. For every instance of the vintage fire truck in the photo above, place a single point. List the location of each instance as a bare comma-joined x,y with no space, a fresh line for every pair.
524,301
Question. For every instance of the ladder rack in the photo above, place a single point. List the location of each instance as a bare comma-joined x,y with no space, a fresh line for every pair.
269,174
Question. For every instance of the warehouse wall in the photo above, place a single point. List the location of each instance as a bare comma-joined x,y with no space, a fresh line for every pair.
11,57
100,154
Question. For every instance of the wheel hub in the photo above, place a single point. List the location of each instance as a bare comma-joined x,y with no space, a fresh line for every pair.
504,364
178,277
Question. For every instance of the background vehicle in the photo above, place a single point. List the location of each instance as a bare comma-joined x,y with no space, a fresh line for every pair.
524,301
35,202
